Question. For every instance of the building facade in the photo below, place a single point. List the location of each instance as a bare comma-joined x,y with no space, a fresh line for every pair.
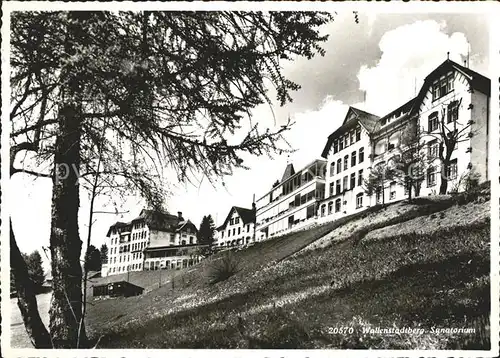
347,152
237,229
453,103
131,245
292,202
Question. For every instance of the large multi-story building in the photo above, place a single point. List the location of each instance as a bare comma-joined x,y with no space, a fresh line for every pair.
237,229
292,202
453,99
153,240
347,151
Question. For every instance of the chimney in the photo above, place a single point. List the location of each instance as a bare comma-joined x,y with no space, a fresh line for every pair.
179,214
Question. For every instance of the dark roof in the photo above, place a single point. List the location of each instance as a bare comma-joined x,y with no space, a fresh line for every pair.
186,224
476,80
353,116
289,171
246,215
157,221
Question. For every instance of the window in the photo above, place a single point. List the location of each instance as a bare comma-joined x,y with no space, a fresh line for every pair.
353,180
361,155
352,135
239,230
331,189
431,177
346,161
392,191
229,233
358,134
234,231
311,211
248,227
433,122
379,195
442,86
353,159
335,146
332,168
452,114
346,140
451,171
191,240
344,183
236,220
360,177
339,165
341,143
323,210
433,149
338,188
359,200
330,207
231,221
338,205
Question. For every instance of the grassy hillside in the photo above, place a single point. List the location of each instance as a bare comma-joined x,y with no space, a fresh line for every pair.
297,291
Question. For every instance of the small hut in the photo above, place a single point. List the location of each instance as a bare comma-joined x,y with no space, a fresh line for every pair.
116,289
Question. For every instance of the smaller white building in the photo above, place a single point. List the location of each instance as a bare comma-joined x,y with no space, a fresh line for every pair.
153,240
292,203
238,228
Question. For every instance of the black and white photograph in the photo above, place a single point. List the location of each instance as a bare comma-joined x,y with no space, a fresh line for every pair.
273,179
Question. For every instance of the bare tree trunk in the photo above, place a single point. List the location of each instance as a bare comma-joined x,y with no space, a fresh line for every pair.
443,188
89,235
26,298
410,187
65,243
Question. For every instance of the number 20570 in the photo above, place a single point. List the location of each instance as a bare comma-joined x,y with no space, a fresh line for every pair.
340,330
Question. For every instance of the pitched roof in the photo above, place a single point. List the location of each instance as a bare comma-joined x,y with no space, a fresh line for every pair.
156,220
246,215
353,116
476,80
289,171
400,112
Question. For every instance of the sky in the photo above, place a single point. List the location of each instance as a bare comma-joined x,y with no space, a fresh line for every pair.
376,65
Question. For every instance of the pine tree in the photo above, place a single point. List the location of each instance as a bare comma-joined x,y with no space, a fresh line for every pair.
104,254
207,230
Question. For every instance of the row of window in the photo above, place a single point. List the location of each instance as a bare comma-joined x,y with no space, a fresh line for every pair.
450,173
126,258
124,268
127,248
346,140
234,231
174,264
451,116
299,180
338,205
360,157
442,86
234,221
346,183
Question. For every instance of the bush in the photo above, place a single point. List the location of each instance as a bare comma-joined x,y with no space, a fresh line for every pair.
222,268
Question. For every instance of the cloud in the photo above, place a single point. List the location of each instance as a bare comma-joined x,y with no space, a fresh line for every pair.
311,129
308,135
409,54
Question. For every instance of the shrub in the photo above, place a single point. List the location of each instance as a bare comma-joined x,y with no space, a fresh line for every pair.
222,268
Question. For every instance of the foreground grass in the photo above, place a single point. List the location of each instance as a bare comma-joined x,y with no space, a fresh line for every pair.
411,280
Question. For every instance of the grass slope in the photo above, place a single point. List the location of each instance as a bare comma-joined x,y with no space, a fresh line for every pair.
284,299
